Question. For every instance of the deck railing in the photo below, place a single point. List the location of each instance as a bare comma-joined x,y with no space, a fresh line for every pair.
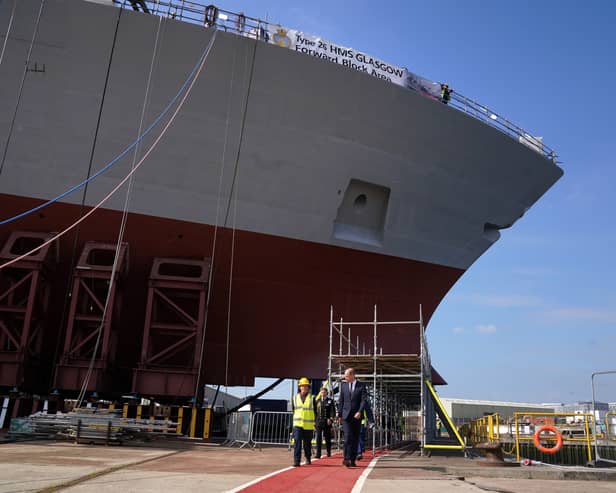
196,12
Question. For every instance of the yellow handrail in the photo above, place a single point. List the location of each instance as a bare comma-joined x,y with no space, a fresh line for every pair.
486,428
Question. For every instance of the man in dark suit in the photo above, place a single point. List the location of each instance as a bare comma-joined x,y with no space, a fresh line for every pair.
351,405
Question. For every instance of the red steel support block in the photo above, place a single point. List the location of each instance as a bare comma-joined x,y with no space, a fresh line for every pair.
173,329
91,278
24,300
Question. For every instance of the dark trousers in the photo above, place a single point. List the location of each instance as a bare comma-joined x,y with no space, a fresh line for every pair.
324,431
351,428
301,436
362,440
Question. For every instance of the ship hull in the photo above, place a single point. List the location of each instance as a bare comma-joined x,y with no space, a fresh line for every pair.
327,187
280,291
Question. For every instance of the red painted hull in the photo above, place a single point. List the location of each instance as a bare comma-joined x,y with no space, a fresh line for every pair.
280,292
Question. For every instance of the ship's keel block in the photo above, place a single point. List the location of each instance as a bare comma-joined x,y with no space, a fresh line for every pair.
173,328
90,327
24,298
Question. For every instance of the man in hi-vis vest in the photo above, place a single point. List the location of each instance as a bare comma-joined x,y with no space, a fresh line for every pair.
303,421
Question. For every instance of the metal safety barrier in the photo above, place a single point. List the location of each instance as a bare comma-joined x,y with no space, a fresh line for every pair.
205,15
238,428
610,425
490,117
251,27
259,428
599,455
271,428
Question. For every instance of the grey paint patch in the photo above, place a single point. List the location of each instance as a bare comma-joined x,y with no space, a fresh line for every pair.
361,215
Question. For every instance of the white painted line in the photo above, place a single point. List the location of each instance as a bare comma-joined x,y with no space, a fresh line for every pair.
254,481
359,484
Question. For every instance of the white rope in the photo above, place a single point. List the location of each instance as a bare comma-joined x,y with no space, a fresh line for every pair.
21,84
8,31
218,201
234,197
229,306
119,185
125,209
230,289
231,196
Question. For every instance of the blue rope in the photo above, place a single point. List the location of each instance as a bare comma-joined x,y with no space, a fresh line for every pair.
117,158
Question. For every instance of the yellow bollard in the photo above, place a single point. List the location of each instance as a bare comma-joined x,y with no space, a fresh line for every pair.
138,412
178,430
206,423
125,411
111,406
193,422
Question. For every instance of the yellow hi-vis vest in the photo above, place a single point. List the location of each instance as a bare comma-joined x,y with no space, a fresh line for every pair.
303,412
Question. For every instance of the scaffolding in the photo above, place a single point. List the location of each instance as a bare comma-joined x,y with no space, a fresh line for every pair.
400,383
395,380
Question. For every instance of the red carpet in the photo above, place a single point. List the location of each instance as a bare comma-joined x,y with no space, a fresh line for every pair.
326,474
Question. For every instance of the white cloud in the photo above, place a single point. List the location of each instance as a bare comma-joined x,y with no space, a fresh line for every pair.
458,330
581,314
501,301
486,329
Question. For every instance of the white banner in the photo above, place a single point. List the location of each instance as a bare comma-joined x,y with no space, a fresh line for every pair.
348,57
424,86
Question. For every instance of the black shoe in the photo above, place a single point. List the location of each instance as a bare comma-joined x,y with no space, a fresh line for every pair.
296,464
317,456
353,464
308,462
346,462
329,454
358,457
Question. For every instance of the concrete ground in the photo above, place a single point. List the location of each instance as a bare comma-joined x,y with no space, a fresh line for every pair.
186,467
403,472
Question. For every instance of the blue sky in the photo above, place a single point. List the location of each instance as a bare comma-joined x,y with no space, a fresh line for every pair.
536,315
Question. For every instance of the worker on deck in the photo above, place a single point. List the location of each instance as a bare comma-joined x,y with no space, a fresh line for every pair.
445,93
325,412
303,421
